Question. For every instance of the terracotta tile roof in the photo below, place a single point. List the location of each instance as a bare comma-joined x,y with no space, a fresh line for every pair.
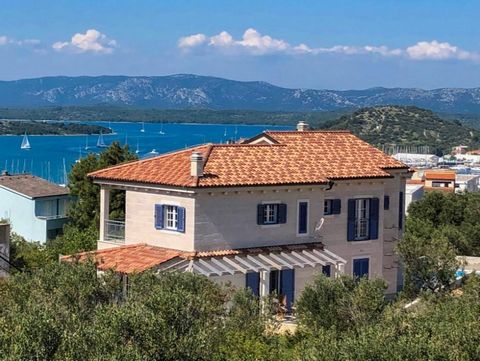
127,259
32,186
440,175
141,257
309,157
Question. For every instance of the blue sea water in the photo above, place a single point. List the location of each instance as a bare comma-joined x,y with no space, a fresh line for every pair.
48,153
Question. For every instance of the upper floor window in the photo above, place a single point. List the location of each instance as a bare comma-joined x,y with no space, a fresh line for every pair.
363,216
271,213
170,217
331,206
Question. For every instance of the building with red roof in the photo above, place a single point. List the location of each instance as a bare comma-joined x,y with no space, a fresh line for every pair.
268,213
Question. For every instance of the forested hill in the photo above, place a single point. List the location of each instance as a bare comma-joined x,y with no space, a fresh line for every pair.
187,91
406,126
10,127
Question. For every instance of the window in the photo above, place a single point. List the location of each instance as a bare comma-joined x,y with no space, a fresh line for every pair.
386,203
283,284
363,217
327,207
327,270
170,217
360,267
270,214
302,217
332,206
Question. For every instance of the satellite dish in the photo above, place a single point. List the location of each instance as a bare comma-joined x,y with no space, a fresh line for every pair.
319,225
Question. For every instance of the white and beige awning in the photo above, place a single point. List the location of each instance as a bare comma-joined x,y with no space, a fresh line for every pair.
219,263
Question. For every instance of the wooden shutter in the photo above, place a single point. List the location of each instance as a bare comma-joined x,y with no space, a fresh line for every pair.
351,220
336,206
400,211
386,203
302,217
282,213
158,216
253,282
181,219
260,213
287,286
373,219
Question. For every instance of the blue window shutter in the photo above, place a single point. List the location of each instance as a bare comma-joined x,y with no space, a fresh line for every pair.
336,206
360,267
253,282
351,220
302,217
386,203
400,211
373,219
282,213
287,286
327,270
260,213
181,219
158,216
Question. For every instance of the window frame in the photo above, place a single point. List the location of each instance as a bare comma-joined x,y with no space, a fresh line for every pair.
170,209
363,257
362,223
328,205
307,230
270,210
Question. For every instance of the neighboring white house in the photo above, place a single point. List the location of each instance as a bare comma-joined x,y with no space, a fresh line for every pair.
35,208
413,193
467,182
469,158
268,214
414,159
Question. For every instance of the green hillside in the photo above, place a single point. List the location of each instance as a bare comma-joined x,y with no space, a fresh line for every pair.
406,126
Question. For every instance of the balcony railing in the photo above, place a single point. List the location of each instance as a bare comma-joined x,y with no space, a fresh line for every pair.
58,216
114,231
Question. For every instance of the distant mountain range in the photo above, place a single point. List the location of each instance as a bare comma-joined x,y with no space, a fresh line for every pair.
185,91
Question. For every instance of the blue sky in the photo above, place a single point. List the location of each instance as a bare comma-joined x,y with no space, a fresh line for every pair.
341,44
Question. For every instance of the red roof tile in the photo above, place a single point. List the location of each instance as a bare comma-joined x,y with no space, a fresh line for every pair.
127,259
440,175
298,158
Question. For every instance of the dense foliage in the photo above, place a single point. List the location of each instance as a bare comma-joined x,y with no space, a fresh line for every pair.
48,128
68,312
407,126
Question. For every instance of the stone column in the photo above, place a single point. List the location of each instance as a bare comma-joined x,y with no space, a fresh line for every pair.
104,210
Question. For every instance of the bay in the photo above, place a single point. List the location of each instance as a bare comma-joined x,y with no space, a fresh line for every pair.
48,154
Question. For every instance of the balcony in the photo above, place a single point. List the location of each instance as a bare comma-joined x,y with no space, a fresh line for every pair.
114,231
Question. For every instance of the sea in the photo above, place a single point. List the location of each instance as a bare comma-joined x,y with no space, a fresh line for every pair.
52,156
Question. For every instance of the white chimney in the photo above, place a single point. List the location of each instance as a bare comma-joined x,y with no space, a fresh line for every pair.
196,164
302,126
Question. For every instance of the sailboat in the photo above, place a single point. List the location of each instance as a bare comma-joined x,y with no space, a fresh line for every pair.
138,149
86,142
161,129
25,142
100,141
143,127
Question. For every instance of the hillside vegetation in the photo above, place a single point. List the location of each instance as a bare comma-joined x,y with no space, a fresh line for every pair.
392,126
9,127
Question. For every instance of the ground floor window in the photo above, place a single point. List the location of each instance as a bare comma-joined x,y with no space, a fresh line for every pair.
361,267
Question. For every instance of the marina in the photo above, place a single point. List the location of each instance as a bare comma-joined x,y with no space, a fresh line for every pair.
48,156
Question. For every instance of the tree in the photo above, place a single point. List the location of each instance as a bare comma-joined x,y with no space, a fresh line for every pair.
341,303
428,256
85,212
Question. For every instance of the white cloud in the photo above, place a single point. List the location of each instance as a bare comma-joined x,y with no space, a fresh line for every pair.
91,41
252,42
435,50
191,41
3,40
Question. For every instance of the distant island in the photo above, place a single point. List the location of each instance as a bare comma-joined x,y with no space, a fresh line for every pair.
18,127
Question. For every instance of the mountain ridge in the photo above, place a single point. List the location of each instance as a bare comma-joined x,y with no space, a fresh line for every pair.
189,91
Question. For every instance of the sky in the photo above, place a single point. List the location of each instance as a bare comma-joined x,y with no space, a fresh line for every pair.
335,44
